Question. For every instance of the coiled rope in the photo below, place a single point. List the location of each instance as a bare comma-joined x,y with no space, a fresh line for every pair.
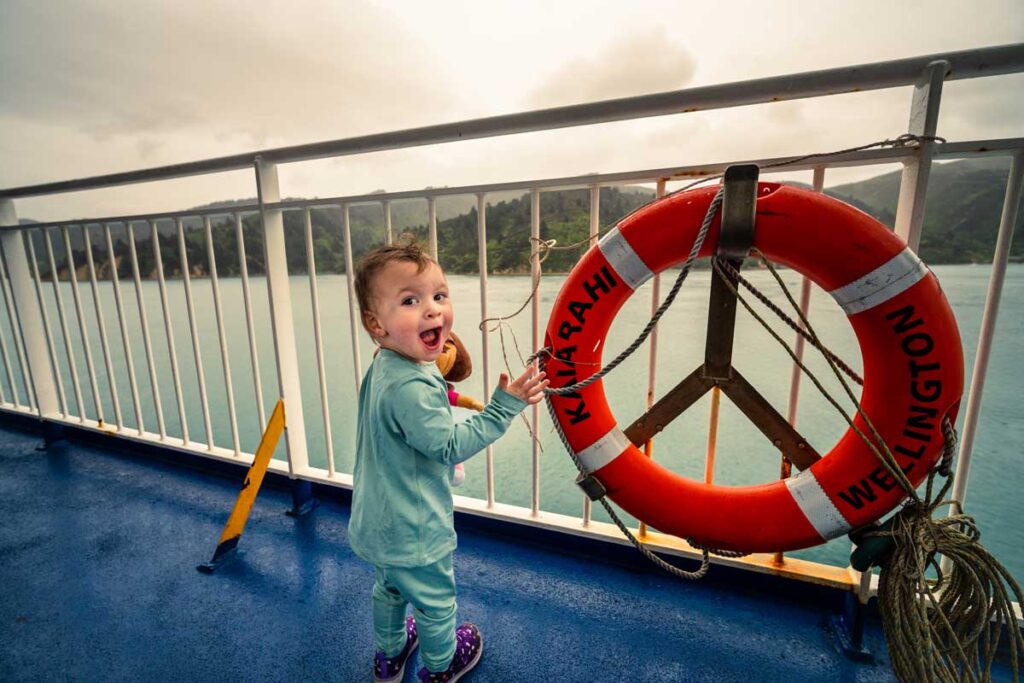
945,629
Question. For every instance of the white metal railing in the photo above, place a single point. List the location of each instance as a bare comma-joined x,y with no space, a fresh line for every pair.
147,342
314,295
172,353
39,361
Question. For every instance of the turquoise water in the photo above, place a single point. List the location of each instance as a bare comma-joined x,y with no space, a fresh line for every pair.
744,456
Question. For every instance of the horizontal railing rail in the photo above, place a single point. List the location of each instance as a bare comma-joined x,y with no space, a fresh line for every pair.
965,64
890,155
32,351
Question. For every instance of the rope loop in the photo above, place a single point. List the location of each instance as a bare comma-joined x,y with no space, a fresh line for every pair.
906,139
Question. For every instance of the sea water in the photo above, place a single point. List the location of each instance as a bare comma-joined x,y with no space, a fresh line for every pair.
744,455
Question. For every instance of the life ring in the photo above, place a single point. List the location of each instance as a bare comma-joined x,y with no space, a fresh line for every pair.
913,369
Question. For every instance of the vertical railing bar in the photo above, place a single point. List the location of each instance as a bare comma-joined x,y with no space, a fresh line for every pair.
712,448
247,298
72,365
652,355
16,331
146,341
169,330
794,382
314,296
595,222
805,303
432,230
595,213
98,307
1007,221
386,205
8,216
652,350
132,383
15,400
86,346
219,311
3,394
786,467
535,273
196,352
50,348
481,224
714,413
353,309
1000,257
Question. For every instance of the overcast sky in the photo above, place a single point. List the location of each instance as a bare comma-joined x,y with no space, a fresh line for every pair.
90,87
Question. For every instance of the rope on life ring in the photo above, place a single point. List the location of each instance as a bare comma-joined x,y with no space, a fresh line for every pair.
913,370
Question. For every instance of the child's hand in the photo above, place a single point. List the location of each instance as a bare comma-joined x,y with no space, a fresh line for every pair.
528,387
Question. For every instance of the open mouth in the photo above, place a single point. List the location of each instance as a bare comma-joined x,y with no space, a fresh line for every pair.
432,338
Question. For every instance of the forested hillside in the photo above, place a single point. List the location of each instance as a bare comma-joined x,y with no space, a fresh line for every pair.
565,217
961,221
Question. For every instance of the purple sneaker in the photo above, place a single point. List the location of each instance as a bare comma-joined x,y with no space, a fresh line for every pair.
469,645
389,669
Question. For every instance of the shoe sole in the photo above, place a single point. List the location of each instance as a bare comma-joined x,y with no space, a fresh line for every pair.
473,662
401,672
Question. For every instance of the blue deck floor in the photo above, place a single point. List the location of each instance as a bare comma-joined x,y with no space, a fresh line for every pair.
97,567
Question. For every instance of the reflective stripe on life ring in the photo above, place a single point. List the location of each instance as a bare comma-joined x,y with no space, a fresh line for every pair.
913,369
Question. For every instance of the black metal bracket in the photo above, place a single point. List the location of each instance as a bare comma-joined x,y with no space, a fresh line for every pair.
873,545
591,486
54,435
739,205
303,501
848,629
739,208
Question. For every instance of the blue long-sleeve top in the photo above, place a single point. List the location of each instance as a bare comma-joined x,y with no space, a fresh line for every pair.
406,446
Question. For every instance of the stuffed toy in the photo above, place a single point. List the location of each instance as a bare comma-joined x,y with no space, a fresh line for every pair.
455,365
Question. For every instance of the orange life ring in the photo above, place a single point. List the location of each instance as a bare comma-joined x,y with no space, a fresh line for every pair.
913,369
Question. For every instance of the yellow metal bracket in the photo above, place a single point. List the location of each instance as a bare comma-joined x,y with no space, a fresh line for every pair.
228,543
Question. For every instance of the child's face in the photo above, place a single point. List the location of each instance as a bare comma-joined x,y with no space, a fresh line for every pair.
412,314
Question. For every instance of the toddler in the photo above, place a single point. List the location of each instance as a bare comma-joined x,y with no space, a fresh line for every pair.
406,447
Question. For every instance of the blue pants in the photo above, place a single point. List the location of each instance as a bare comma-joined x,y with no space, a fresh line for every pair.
431,592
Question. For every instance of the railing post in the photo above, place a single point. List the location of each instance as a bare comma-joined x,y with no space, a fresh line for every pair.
42,384
432,230
1011,201
786,468
652,351
535,272
281,321
481,234
924,119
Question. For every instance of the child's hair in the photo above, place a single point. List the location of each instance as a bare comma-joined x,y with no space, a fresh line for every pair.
376,260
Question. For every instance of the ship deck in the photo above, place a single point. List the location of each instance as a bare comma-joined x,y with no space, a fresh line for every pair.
99,549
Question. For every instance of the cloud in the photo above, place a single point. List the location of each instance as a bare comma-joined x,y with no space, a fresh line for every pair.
95,86
148,146
643,63
229,71
970,106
